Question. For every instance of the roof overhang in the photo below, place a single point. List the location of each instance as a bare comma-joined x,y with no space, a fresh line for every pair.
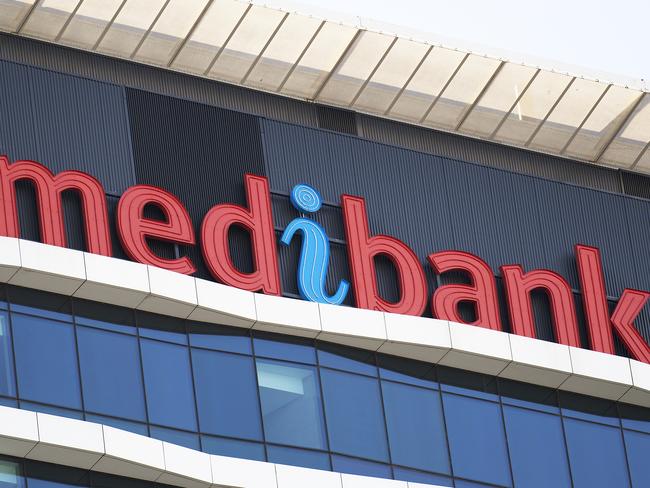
360,68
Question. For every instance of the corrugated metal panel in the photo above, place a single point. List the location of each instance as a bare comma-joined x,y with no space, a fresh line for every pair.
197,152
494,214
65,122
435,203
635,184
135,75
335,119
571,215
495,155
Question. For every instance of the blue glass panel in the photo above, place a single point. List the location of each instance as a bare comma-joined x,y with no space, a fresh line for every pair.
476,439
233,448
291,404
8,402
413,476
537,449
596,454
301,352
469,484
354,415
7,380
299,457
344,464
134,427
46,361
177,437
226,392
3,305
218,338
61,412
10,475
416,432
39,312
589,408
636,418
638,447
353,360
406,371
99,324
168,383
110,373
161,327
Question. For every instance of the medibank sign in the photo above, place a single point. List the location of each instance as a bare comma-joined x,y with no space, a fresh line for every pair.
256,218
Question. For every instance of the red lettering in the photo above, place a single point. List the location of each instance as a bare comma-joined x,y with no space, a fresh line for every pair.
258,221
518,288
134,229
482,291
362,250
50,212
627,310
594,298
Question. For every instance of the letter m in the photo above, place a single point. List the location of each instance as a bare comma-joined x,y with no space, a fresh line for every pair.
50,211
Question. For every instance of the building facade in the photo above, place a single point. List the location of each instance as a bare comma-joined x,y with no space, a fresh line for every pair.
474,317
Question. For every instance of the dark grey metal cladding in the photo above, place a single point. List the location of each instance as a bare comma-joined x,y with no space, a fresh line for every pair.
66,122
135,75
569,215
197,152
435,203
487,153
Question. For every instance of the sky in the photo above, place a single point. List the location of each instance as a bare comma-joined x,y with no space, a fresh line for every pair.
603,36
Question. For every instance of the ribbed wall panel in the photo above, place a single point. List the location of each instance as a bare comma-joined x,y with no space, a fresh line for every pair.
97,67
435,203
65,122
495,155
197,152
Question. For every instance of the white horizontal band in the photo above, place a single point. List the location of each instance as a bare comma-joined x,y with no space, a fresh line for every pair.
90,446
129,284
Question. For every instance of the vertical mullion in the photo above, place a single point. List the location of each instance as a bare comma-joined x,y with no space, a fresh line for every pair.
322,401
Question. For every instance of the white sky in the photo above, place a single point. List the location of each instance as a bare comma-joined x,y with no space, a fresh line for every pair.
605,36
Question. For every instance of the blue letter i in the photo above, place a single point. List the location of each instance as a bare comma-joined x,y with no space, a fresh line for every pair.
315,252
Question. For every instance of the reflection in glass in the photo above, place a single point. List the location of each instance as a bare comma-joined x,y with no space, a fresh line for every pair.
291,404
476,439
596,454
7,383
354,415
46,361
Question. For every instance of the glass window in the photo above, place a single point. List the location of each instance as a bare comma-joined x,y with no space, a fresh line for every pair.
596,454
537,449
416,432
168,329
638,447
177,437
233,448
134,427
110,373
61,412
46,361
226,393
7,380
413,476
219,338
354,415
406,371
168,383
291,404
286,348
476,439
299,457
10,476
347,359
344,464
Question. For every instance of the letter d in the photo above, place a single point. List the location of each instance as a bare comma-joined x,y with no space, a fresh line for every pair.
258,221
